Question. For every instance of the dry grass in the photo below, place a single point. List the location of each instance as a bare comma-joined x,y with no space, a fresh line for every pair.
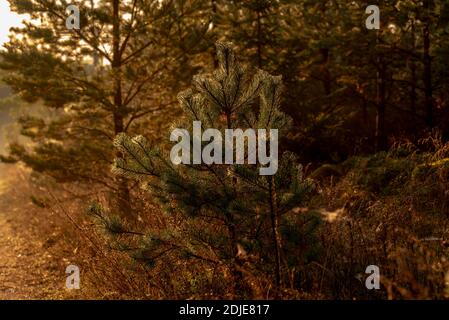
389,210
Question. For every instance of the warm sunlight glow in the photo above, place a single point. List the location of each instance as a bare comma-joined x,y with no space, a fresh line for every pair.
8,19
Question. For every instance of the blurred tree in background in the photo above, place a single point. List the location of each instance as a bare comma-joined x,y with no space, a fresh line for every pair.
349,90
108,77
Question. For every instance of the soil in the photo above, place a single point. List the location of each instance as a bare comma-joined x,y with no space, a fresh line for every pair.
33,257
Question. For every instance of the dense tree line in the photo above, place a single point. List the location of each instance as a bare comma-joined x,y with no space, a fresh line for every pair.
347,91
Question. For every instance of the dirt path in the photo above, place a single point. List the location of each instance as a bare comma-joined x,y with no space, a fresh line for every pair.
31,265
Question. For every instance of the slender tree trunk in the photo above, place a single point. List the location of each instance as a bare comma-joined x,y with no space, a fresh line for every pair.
365,112
427,69
214,21
259,39
123,195
239,285
327,84
380,134
95,55
273,197
277,240
413,74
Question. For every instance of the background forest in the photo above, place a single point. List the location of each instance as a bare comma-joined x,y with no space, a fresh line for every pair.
364,127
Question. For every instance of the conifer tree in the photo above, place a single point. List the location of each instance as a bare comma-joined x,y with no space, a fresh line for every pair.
230,214
101,79
256,25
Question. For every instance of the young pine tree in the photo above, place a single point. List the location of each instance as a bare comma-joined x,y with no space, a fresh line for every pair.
228,215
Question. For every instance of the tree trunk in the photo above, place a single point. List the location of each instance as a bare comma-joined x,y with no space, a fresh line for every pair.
123,195
381,135
277,241
235,268
259,39
326,76
427,69
214,21
95,55
273,199
413,96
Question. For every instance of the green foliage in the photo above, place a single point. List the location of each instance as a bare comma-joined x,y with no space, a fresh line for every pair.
221,206
301,240
381,173
100,88
394,208
423,170
90,92
388,173
326,170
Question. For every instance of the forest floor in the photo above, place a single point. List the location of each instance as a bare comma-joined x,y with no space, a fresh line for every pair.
33,256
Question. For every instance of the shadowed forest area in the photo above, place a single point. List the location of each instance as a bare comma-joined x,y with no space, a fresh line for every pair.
93,107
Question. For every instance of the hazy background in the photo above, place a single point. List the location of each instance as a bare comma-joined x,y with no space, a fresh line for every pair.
8,19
